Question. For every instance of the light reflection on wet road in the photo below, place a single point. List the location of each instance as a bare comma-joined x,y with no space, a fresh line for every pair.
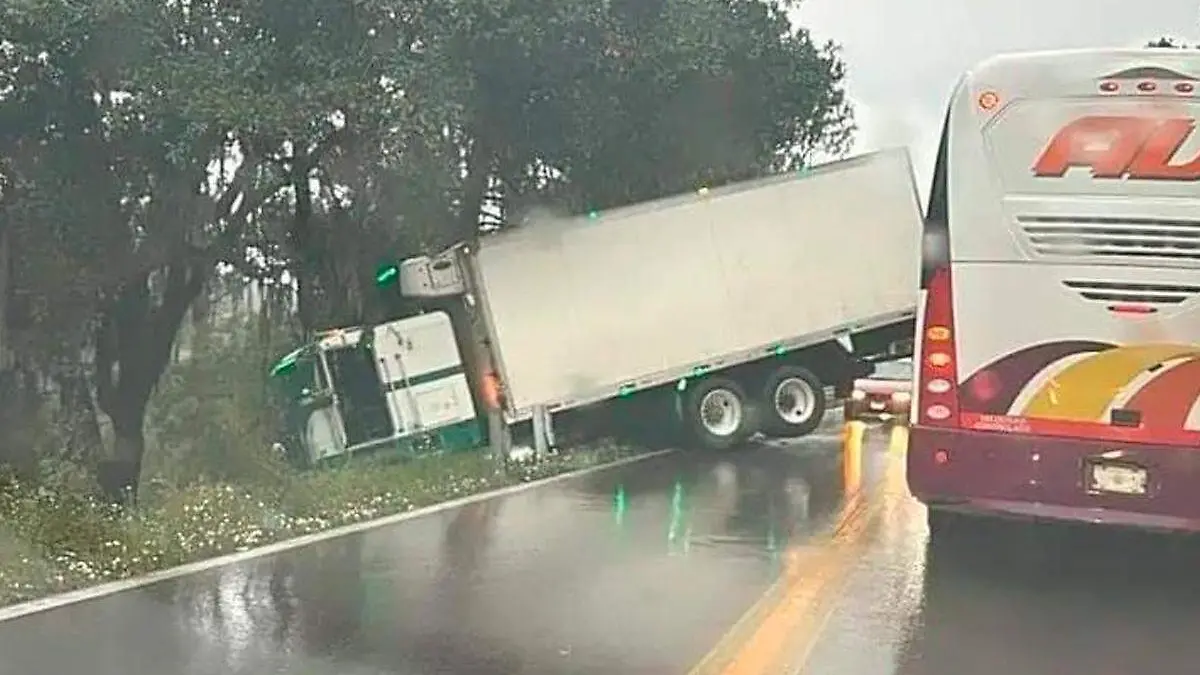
642,569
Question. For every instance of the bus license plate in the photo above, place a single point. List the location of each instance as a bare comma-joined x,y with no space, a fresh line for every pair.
1121,479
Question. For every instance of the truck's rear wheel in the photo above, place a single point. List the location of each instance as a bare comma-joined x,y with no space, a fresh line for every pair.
793,401
718,414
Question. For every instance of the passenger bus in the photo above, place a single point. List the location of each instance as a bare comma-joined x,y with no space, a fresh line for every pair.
1059,314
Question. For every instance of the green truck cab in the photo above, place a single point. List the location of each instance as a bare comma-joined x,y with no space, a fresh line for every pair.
400,391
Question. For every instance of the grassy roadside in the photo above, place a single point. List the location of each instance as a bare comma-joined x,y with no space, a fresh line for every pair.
52,542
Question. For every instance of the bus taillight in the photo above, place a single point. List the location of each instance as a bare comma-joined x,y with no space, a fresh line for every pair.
938,386
939,360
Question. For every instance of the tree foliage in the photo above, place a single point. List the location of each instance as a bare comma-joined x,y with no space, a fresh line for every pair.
146,145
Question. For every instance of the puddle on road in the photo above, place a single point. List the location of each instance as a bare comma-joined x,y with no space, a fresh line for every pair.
751,505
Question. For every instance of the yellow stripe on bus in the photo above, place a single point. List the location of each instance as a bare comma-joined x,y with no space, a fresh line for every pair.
1085,389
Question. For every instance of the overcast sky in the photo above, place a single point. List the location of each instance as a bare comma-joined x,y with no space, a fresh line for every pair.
904,56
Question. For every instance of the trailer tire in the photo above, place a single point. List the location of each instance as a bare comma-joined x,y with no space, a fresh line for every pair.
718,414
793,401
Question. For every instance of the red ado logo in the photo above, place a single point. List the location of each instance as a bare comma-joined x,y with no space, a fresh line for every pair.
1115,146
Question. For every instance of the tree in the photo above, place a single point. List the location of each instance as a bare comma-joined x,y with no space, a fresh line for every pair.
56,207
1170,43
115,141
111,170
625,101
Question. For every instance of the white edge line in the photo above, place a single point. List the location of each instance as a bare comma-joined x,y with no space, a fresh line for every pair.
57,601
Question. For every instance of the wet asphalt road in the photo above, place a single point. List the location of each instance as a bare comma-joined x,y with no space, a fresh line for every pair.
642,569
1007,598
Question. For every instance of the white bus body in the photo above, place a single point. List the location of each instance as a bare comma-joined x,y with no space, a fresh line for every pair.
1059,335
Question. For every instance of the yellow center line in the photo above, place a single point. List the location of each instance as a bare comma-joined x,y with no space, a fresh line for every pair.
807,635
798,565
811,579
788,618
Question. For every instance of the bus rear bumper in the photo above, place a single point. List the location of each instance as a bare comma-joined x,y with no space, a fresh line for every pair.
1042,477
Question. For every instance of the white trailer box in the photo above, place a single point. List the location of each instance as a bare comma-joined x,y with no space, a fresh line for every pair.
581,309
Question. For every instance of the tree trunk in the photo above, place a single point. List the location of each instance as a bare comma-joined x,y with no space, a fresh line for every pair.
307,249
78,417
119,474
201,312
19,402
5,357
133,348
479,169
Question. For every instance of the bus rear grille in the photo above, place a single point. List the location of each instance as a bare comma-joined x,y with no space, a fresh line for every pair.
1141,239
1133,293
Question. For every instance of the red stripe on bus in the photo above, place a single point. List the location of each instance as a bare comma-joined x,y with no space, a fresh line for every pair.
1167,400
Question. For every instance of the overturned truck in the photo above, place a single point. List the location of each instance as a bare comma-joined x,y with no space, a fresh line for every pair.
706,318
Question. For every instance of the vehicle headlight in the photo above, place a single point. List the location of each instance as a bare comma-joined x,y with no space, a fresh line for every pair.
901,397
858,395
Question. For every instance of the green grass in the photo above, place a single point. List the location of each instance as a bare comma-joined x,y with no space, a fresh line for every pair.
55,541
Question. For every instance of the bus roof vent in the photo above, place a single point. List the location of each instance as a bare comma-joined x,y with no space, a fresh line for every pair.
1110,292
1137,240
